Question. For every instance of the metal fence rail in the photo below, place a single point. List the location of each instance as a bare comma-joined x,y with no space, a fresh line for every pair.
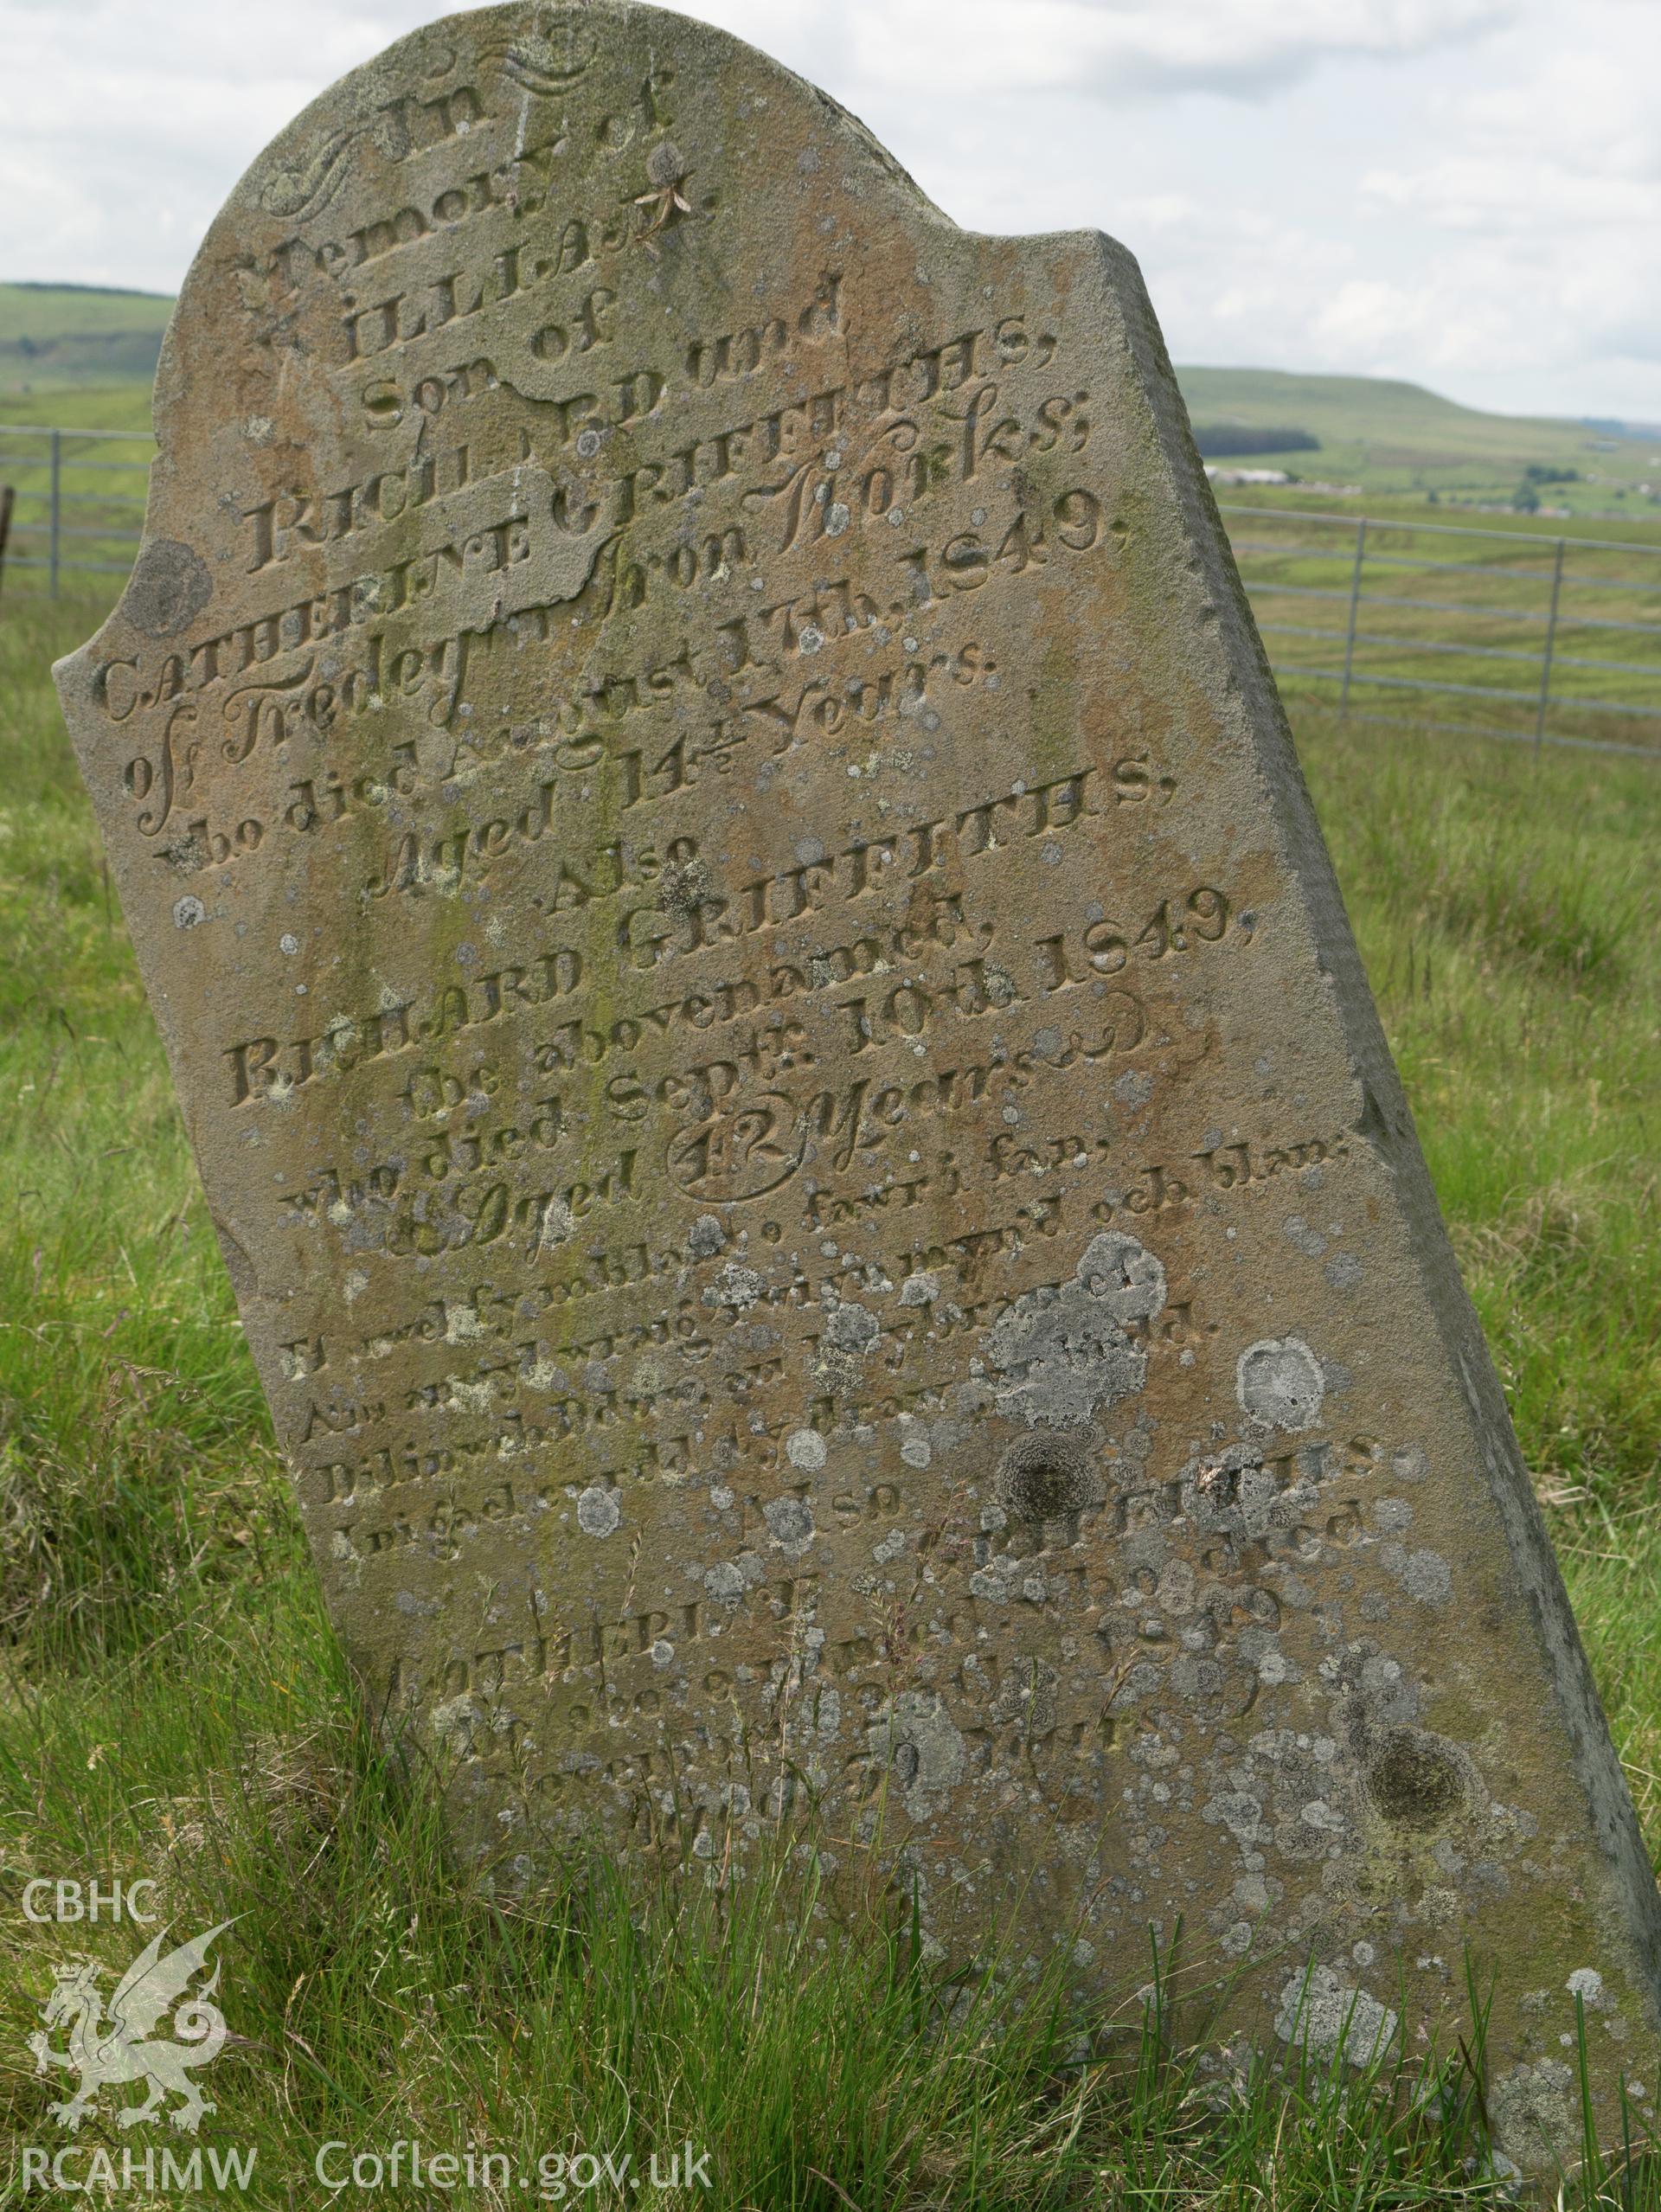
1554,640
80,500
1511,633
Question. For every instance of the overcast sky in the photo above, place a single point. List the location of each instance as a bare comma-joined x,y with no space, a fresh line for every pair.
1463,192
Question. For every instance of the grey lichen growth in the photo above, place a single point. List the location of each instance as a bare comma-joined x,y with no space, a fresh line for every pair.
1065,1352
1327,2016
1535,2114
923,1748
736,1285
599,1511
850,1335
1278,1379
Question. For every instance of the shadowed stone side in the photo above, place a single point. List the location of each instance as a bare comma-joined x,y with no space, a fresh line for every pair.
802,1145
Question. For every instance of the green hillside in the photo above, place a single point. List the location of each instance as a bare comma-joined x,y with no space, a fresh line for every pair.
1391,436
56,335
80,353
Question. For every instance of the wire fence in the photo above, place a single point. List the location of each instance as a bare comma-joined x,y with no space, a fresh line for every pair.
1509,633
78,503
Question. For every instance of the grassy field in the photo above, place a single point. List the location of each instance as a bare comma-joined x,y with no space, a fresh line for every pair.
57,336
123,405
1463,609
177,1708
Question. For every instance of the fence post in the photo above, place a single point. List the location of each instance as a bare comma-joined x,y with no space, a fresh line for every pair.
57,506
1545,658
1355,608
5,524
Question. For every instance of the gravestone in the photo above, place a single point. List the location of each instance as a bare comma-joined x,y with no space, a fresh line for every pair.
802,1145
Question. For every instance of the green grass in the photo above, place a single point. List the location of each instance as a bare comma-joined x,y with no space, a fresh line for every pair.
176,1707
118,404
1510,918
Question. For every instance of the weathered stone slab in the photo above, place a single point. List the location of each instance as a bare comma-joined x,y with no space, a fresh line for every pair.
804,1150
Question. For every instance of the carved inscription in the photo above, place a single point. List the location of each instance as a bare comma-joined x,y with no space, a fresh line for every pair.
783,1087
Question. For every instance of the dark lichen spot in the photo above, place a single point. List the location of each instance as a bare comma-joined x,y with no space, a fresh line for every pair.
171,586
1414,1781
1043,1477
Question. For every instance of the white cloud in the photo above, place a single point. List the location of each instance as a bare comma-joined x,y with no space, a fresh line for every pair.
1109,46
1464,191
1574,146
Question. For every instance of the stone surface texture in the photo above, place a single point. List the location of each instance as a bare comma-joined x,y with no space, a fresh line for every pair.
804,1151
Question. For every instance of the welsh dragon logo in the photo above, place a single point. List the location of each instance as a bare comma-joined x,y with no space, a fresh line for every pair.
107,2052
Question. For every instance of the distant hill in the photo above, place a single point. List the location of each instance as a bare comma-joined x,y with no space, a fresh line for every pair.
1389,436
55,334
